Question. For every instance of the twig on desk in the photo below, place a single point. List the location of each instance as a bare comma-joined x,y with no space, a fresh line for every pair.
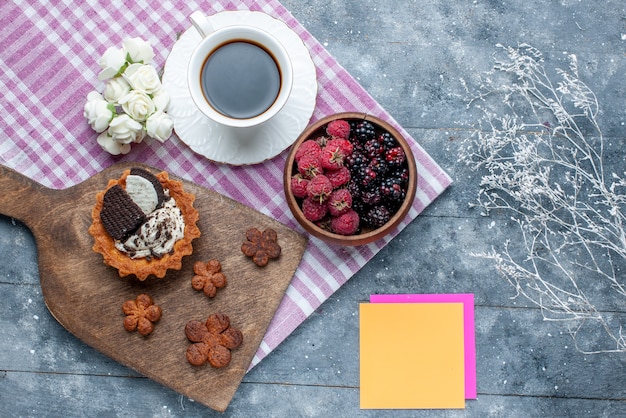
542,162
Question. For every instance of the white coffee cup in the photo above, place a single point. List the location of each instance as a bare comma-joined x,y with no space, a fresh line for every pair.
238,76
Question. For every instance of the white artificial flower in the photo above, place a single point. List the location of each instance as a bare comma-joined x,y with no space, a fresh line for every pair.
112,146
143,77
111,62
159,126
161,100
115,89
133,102
138,105
139,50
124,129
97,112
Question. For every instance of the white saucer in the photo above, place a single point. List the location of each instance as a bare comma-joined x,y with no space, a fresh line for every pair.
241,146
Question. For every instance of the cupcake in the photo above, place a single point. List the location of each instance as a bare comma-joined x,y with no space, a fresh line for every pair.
143,224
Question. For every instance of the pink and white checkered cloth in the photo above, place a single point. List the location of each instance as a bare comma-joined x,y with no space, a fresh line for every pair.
48,64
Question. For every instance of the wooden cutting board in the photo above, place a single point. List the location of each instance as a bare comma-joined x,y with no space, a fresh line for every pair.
86,296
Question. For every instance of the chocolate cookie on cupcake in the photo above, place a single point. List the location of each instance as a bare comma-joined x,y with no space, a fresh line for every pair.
143,224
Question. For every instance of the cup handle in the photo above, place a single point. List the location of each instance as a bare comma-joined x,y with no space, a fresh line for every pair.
201,23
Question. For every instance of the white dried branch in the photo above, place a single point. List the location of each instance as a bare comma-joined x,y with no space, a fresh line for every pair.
542,162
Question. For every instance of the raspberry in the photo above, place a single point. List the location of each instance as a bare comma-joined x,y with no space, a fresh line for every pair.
313,210
319,188
345,145
346,224
338,177
339,202
339,128
322,140
332,157
307,147
309,166
299,185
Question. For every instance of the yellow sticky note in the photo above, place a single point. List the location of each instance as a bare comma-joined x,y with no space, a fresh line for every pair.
412,355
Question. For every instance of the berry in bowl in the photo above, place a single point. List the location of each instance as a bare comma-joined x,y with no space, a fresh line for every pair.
350,178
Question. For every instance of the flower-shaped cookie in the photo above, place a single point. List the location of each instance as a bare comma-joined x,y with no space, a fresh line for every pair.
141,314
212,340
261,246
208,278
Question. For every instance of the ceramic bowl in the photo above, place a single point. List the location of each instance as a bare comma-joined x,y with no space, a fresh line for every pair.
365,234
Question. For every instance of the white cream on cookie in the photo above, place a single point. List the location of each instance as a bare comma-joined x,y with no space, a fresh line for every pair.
142,192
157,235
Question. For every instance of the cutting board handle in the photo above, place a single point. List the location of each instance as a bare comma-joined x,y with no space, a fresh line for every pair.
19,195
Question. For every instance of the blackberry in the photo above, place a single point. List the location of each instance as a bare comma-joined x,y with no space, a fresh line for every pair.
377,216
395,156
379,165
371,197
400,173
354,189
357,146
379,174
387,140
360,172
366,177
359,207
392,190
373,148
355,160
363,131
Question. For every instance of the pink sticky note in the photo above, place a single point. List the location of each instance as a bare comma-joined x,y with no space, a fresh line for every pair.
468,324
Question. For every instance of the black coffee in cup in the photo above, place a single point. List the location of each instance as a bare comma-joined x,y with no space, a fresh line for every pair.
240,79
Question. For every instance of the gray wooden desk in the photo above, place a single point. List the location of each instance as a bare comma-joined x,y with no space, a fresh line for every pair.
411,56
